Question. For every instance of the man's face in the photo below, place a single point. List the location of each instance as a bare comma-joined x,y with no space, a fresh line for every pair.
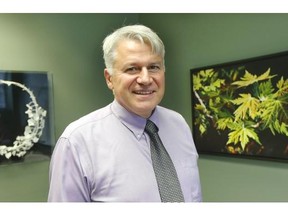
138,81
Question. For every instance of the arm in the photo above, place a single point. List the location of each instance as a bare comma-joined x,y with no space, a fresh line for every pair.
68,181
197,191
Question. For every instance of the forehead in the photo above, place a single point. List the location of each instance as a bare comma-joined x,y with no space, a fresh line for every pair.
132,45
135,50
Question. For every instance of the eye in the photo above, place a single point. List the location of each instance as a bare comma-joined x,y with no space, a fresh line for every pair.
154,68
132,70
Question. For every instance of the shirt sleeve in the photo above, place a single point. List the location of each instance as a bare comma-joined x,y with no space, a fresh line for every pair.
196,193
68,182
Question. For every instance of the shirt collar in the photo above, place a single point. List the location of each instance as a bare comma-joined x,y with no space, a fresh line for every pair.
133,122
154,116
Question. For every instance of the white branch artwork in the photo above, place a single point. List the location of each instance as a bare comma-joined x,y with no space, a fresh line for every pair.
33,130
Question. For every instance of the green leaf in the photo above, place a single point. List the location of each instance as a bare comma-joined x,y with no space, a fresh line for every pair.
202,128
282,87
271,110
281,128
222,123
265,89
207,73
284,128
248,104
243,136
249,79
196,82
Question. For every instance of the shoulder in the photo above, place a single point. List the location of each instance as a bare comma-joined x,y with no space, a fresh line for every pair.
87,120
170,119
164,113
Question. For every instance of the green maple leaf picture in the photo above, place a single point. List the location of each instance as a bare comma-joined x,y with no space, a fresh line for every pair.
235,109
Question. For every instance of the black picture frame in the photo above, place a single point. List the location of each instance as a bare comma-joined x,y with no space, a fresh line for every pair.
26,116
240,108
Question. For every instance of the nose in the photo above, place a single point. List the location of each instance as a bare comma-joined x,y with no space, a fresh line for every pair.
144,77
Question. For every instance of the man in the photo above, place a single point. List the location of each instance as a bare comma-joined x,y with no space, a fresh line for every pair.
106,156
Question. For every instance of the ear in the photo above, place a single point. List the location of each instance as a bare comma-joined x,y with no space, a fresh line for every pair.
108,79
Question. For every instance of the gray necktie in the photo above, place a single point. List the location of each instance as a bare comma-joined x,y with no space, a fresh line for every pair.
166,176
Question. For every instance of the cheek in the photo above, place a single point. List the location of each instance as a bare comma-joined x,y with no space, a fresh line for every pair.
160,82
124,84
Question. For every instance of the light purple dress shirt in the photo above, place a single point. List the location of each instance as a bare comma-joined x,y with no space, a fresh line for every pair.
105,157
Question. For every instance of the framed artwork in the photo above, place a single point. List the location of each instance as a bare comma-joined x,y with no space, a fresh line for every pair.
26,116
240,108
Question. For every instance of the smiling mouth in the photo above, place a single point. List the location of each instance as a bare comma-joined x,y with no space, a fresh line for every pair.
143,92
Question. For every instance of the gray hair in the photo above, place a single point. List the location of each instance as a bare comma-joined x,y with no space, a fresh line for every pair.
132,32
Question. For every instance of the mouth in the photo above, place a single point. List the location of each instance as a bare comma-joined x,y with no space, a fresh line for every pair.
143,92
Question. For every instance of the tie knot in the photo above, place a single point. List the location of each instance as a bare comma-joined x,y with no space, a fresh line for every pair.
151,127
